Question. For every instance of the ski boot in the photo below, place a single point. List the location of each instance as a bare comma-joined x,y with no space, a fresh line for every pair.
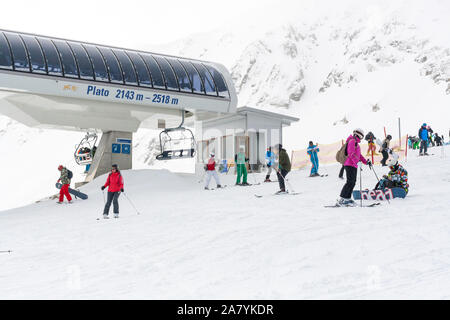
246,184
105,216
59,202
206,188
342,202
219,186
116,216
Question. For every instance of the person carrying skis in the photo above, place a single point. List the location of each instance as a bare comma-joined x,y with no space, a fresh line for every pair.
284,167
396,178
423,136
211,172
115,187
241,160
385,149
312,151
270,161
353,153
65,181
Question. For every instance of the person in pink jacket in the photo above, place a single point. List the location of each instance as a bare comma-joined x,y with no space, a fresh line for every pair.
351,166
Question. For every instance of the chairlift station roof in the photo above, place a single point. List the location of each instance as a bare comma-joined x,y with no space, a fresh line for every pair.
58,83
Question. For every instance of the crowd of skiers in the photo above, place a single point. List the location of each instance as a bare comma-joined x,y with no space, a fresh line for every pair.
426,138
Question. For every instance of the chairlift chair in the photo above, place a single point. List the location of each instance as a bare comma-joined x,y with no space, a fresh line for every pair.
176,147
84,151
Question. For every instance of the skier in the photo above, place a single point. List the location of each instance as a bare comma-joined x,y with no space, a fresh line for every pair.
353,151
211,172
312,151
65,181
430,137
396,178
370,138
270,161
385,149
115,187
438,140
284,167
241,160
423,135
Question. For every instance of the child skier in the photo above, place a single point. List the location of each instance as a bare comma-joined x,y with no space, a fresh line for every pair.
241,160
65,181
211,172
115,187
270,161
396,178
353,152
312,151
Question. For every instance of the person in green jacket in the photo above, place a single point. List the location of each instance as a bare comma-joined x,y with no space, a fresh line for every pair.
284,167
240,159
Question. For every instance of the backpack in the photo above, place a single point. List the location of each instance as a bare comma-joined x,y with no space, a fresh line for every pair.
69,174
341,155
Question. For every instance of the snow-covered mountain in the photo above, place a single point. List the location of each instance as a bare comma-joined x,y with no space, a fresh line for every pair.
336,65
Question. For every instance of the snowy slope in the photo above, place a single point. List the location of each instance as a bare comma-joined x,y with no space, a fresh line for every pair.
194,244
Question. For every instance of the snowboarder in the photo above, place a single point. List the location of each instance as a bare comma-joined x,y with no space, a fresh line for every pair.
211,172
270,161
65,177
115,187
241,161
312,151
396,178
385,149
423,135
284,167
353,152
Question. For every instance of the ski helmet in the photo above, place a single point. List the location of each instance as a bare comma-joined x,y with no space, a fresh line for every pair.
212,154
389,137
424,125
359,133
60,167
392,162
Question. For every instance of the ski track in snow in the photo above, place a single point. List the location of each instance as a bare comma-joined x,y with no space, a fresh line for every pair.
227,244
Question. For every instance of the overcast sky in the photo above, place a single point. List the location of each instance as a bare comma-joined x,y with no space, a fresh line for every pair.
123,22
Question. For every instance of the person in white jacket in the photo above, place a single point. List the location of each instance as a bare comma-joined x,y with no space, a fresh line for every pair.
211,172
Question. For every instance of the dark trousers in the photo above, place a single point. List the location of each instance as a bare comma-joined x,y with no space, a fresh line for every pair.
281,176
347,190
341,173
423,146
112,197
385,157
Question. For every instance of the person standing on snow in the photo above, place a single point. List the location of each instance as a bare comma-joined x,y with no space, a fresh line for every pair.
270,161
284,167
351,166
370,138
385,149
423,136
312,151
211,172
241,160
65,181
115,187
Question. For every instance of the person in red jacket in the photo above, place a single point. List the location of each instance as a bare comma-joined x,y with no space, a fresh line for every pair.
211,172
115,187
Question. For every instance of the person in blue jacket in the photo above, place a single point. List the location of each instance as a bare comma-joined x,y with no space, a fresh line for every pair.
270,161
423,136
312,151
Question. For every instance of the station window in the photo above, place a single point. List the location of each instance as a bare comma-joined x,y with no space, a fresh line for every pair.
67,59
84,63
141,69
197,84
5,54
183,79
210,88
100,71
218,80
128,71
19,53
155,71
51,56
115,72
35,54
171,80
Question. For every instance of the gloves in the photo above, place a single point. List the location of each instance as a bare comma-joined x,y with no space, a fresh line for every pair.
103,188
369,163
121,190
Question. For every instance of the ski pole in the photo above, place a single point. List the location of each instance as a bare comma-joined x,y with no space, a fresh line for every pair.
104,200
6,251
287,182
376,176
360,185
131,203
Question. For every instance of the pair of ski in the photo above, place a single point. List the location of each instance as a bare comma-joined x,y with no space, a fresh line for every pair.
356,206
320,175
212,189
278,194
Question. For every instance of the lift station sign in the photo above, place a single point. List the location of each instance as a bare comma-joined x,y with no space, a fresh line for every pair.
122,146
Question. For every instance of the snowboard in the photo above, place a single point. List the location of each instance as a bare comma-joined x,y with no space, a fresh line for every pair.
386,194
76,193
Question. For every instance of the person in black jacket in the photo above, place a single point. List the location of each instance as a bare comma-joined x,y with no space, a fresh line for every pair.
385,150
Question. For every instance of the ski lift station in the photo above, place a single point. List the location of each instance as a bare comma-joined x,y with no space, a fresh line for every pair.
48,82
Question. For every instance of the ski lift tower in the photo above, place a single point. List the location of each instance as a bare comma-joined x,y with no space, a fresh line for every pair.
48,82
